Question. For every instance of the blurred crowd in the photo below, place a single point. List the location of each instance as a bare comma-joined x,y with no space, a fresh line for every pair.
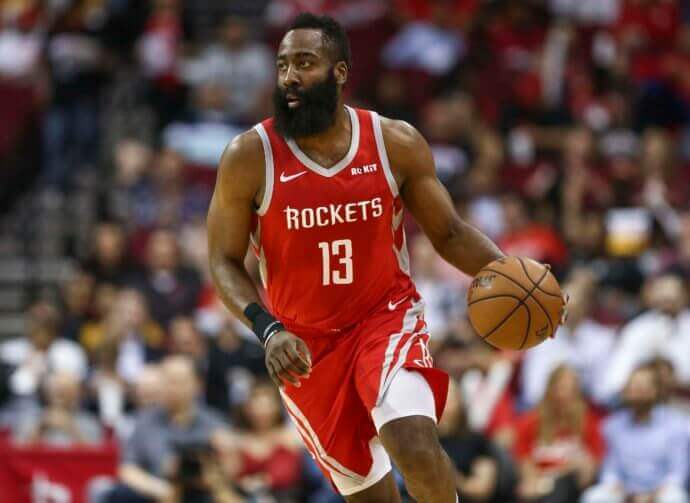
561,129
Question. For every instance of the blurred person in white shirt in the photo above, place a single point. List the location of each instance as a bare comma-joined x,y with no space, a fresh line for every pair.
41,350
661,331
582,343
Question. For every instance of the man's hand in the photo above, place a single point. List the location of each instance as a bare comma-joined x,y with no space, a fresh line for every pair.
287,359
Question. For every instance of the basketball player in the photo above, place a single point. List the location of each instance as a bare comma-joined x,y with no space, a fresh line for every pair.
319,191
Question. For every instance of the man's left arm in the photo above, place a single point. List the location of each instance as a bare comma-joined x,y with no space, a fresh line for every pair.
459,243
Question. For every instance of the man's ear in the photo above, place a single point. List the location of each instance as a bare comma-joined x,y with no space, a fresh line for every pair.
340,72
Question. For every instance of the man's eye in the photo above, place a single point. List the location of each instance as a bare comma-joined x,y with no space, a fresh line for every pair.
305,64
282,67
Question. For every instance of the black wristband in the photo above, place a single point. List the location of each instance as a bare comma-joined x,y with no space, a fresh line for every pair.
263,323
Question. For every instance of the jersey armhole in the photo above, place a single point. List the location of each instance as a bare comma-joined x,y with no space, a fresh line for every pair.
268,167
383,155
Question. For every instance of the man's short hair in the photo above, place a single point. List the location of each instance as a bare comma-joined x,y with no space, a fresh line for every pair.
334,36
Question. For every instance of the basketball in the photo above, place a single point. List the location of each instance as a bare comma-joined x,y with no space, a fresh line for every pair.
514,303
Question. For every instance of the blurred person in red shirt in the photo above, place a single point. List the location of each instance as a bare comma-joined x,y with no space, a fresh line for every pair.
264,458
524,237
559,444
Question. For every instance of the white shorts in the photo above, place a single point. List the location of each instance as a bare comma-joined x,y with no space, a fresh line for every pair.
408,394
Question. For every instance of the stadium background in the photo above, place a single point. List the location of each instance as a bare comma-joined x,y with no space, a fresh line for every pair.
561,129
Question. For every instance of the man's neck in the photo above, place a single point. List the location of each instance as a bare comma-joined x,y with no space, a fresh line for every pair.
642,415
182,417
327,138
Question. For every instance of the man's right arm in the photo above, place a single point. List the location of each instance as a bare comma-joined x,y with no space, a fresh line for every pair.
144,483
239,182
237,193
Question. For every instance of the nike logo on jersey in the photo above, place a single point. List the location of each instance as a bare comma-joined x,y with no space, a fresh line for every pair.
284,178
392,305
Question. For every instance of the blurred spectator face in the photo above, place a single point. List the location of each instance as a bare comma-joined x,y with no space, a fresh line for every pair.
185,337
211,97
132,158
262,409
42,323
667,378
104,299
169,169
306,96
578,146
110,243
149,389
642,391
590,237
390,89
181,384
63,391
130,309
514,213
166,5
656,151
162,250
77,293
564,387
666,294
235,33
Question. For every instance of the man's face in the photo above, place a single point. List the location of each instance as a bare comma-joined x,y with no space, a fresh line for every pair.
642,391
181,385
306,95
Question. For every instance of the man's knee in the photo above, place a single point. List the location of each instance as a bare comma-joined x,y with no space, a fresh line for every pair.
413,444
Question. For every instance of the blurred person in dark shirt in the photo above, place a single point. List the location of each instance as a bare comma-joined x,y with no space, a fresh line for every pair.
166,441
228,363
470,452
108,262
77,295
76,57
62,422
170,288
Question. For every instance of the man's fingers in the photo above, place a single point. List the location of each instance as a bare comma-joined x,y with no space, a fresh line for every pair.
298,362
273,374
304,352
289,368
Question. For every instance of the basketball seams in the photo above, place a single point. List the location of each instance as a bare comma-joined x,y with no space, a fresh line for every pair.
529,325
529,292
495,297
524,268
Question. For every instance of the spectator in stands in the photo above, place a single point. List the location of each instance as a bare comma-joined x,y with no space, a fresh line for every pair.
471,453
170,288
558,444
582,343
228,363
61,422
75,55
163,198
42,351
647,457
108,262
127,335
268,452
77,294
164,439
241,67
663,330
524,237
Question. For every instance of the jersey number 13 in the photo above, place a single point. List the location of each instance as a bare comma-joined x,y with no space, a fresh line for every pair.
341,273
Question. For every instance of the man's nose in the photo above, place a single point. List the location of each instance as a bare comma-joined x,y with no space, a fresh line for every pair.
291,77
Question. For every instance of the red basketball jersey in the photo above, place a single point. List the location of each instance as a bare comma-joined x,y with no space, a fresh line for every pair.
330,241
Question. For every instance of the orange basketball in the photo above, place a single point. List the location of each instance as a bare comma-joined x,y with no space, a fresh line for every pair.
515,303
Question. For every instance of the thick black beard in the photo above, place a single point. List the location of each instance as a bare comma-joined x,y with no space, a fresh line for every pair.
315,114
